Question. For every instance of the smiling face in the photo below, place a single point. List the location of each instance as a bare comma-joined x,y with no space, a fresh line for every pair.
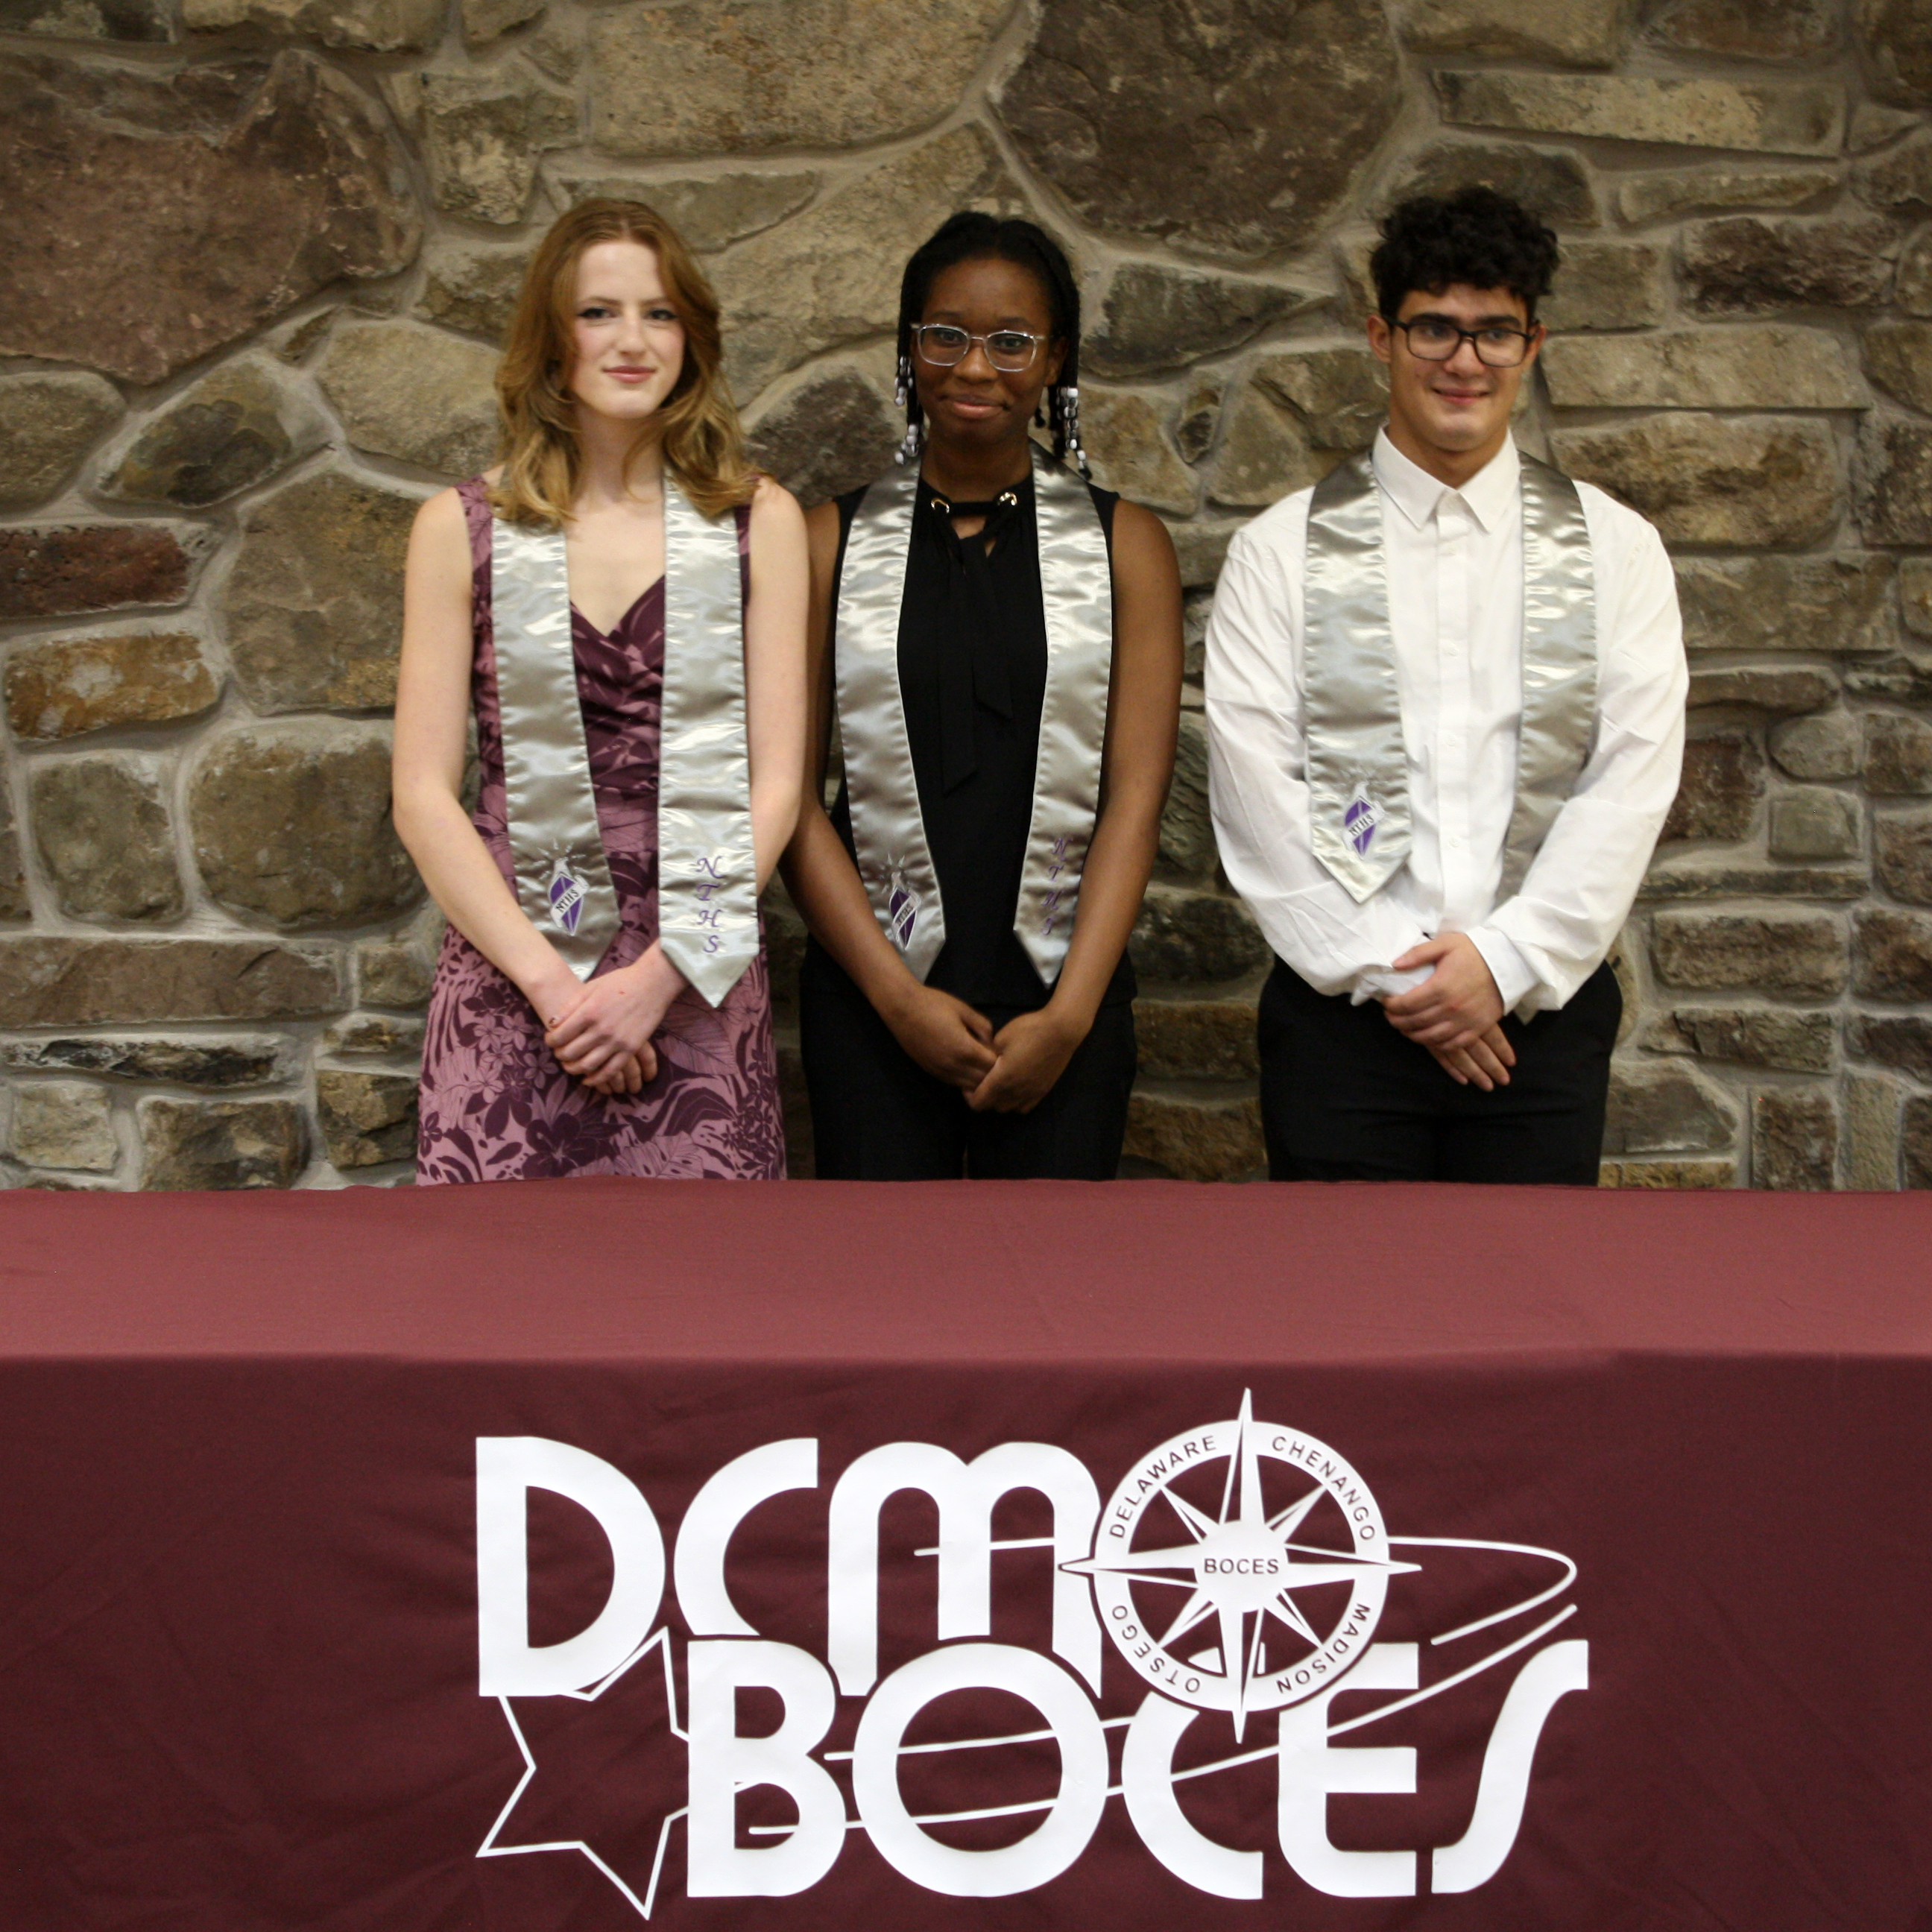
627,342
1459,409
972,405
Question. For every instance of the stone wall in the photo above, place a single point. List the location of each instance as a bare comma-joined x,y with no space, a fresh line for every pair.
258,251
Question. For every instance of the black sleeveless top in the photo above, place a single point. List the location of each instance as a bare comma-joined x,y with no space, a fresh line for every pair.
972,665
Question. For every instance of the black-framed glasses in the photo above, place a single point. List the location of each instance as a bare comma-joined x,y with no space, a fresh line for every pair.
1434,338
1009,350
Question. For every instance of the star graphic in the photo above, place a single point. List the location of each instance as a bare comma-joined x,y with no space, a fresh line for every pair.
604,1774
1240,1565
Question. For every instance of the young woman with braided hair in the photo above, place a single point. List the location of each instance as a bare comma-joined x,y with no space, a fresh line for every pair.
999,645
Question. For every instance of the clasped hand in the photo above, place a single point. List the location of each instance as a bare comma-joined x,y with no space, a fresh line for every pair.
1456,1012
1008,1072
602,1035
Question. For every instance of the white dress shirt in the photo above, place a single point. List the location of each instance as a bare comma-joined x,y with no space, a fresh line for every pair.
1455,586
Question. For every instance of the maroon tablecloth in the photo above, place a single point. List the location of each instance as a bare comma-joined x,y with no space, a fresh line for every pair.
1001,1555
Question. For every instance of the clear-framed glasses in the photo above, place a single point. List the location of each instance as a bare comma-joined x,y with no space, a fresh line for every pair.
1009,350
1434,338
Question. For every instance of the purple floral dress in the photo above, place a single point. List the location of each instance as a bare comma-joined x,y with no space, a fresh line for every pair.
496,1105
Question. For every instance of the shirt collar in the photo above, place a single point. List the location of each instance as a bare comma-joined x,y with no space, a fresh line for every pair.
1489,493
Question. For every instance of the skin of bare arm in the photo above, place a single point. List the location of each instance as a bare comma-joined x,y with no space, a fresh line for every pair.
1137,762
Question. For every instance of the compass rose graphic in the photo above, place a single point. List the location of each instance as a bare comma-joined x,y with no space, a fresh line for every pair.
1243,1568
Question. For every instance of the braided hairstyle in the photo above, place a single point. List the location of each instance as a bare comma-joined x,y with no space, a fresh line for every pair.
971,236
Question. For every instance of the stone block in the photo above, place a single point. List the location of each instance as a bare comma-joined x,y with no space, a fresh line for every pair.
1142,120
1898,358
1200,415
51,981
830,435
1673,1175
473,287
1665,1110
1895,37
1915,594
1192,1138
1660,197
710,211
382,26
1771,117
1191,937
1892,954
705,77
1912,286
64,1124
1553,184
1831,746
1828,603
15,905
1794,1137
1578,33
1802,954
1741,264
1898,182
1187,831
1603,285
366,1118
1781,688
1766,30
1898,754
1676,877
230,429
1722,480
1201,548
398,970
64,570
1770,366
222,195
1153,317
831,275
484,133
314,603
221,1144
68,686
1903,1041
48,422
93,19
485,21
290,826
1868,1146
414,393
1295,415
246,1060
374,1036
1132,452
1815,824
105,839
1916,1141
1903,842
1795,1043
1718,796
1196,1040
1902,677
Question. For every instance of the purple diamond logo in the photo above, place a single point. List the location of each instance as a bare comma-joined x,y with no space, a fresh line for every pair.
1359,822
566,900
901,913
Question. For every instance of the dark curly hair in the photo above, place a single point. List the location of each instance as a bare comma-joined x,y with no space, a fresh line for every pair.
971,236
1474,236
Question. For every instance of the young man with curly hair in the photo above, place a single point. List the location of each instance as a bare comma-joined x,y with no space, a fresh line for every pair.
1445,705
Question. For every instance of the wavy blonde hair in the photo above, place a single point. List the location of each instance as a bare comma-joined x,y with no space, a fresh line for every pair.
697,425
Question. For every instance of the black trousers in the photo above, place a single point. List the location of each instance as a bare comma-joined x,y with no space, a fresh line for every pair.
1346,1097
877,1115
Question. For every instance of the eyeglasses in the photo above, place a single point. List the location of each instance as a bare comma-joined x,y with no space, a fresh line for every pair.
1433,338
1009,350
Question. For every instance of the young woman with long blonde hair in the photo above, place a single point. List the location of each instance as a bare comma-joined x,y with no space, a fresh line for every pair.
621,605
